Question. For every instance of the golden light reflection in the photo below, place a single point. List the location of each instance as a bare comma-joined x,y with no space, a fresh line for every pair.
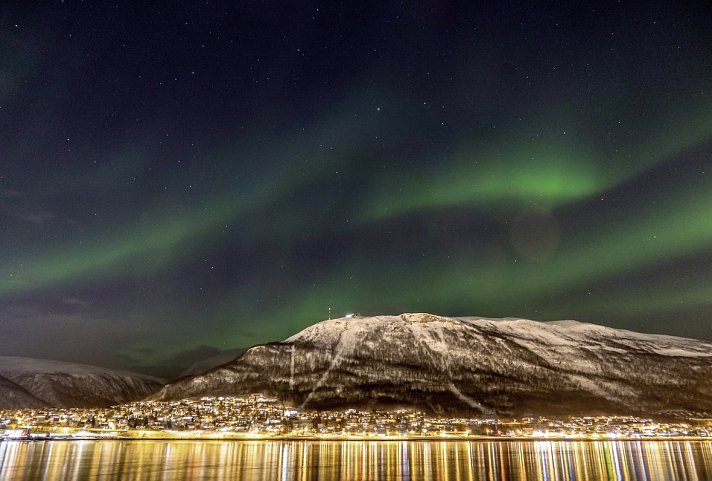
354,460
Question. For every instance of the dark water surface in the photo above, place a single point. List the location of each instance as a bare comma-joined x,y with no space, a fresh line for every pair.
354,460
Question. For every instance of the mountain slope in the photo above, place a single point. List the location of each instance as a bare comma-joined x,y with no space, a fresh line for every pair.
478,365
26,382
13,396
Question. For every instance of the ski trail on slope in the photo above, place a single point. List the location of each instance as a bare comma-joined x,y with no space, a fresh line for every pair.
341,347
467,400
291,370
441,351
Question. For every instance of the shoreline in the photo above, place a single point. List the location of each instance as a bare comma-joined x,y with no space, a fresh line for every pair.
234,438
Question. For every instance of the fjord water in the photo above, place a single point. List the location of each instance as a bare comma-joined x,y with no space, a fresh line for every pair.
354,460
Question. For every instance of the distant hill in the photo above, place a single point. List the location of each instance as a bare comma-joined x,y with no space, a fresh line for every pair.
473,365
26,382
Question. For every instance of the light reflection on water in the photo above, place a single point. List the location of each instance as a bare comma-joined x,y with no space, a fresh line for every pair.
354,460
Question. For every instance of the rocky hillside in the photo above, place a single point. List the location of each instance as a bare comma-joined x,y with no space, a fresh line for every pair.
474,365
26,382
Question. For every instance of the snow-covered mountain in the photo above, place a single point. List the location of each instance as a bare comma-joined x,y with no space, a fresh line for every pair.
477,365
26,382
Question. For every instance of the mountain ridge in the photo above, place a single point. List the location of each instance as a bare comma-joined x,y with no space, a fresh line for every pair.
28,382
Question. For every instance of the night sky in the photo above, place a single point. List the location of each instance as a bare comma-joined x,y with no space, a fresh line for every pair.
182,178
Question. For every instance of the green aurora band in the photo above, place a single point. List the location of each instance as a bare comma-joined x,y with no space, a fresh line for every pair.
548,174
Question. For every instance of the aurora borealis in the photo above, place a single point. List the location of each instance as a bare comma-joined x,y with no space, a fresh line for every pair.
182,178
